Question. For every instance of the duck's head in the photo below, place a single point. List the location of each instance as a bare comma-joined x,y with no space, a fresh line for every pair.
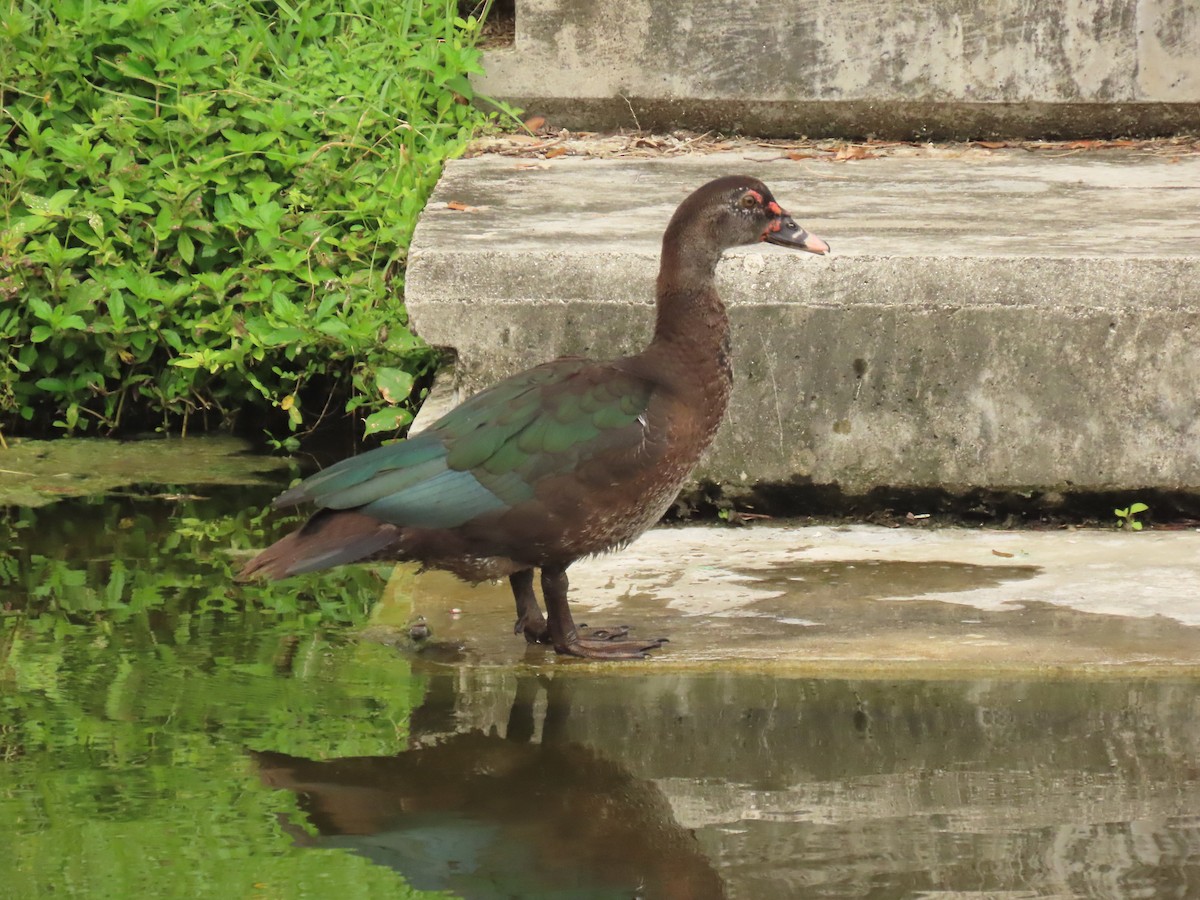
738,209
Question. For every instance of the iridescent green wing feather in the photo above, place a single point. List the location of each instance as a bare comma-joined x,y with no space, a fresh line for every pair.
488,453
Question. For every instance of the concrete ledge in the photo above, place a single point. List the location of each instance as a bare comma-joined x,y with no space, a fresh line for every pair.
949,70
999,320
895,120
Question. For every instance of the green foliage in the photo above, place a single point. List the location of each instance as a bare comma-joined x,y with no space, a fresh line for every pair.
205,207
1126,517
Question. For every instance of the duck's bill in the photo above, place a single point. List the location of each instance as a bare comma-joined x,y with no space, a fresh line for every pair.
789,234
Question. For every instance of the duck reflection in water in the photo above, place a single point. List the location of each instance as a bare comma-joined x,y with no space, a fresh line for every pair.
485,816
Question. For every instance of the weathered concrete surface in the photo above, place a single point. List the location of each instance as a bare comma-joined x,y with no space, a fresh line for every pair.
862,600
986,319
952,69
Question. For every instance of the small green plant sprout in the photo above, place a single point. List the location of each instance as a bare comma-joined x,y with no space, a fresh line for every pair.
1127,518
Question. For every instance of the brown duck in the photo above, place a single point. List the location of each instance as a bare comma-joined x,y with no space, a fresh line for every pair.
571,458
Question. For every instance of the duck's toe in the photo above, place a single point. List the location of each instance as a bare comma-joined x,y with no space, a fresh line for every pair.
533,626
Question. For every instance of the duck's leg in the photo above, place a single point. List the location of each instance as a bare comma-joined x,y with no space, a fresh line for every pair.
532,624
530,621
565,636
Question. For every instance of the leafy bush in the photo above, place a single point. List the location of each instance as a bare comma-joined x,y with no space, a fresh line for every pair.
205,207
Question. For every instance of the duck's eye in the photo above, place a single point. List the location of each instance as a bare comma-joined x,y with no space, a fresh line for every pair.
749,200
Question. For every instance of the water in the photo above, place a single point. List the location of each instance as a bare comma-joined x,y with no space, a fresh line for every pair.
165,733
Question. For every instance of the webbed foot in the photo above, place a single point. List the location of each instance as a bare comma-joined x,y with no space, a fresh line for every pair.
536,631
600,643
585,648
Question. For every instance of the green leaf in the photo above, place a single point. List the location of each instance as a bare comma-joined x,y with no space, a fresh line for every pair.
40,308
460,85
116,308
59,201
389,419
394,385
48,206
171,337
1137,508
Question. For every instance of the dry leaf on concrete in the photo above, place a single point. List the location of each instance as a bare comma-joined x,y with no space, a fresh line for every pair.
852,152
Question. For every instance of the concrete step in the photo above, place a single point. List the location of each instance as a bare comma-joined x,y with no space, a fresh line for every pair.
999,319
955,69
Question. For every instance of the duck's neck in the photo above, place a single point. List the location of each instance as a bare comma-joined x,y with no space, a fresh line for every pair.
689,312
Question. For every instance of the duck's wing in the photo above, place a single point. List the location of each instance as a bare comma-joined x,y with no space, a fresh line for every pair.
489,453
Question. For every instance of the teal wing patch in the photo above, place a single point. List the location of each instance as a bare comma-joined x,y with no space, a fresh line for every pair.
407,483
545,422
488,453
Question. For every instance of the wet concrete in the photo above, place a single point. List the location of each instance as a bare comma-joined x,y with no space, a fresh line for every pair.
856,600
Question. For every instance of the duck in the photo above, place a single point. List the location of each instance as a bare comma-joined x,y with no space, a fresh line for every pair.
569,459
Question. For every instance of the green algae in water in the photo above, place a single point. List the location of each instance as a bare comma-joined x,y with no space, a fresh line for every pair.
35,473
136,679
128,772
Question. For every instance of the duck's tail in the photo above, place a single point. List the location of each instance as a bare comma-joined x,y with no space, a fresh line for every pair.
329,538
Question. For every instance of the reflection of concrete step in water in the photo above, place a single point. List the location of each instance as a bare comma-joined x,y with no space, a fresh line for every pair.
586,785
